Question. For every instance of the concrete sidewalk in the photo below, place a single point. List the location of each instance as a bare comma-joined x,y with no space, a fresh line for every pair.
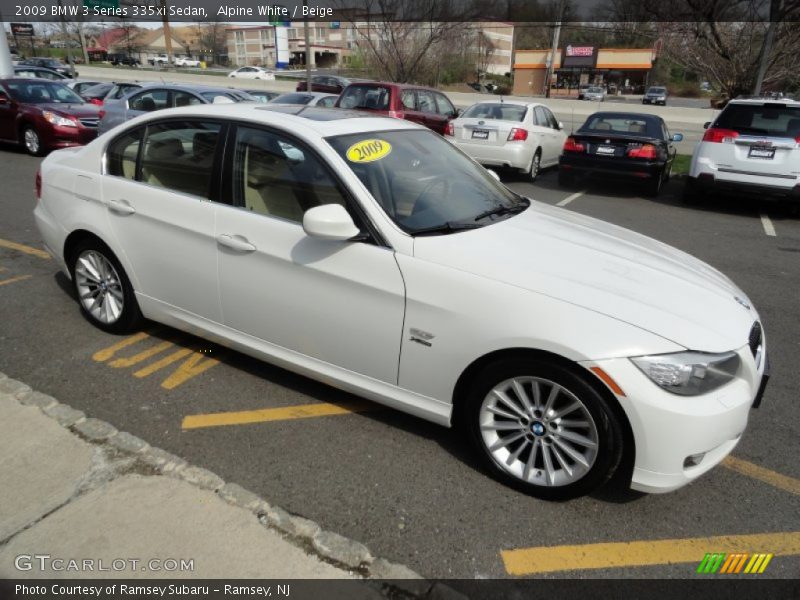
101,503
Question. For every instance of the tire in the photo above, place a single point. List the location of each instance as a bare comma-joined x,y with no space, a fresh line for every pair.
536,165
110,305
565,179
558,457
31,141
653,186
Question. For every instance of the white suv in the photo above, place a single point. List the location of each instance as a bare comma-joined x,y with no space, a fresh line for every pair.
753,147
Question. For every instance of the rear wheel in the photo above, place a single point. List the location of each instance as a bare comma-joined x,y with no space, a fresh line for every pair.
653,186
541,428
536,165
104,291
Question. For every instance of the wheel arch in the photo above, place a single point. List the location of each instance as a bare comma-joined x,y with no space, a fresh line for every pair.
625,468
74,239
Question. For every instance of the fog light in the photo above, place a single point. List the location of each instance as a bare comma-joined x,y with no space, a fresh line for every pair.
693,460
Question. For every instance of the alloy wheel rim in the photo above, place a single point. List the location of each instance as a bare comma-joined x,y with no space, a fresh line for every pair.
31,140
538,431
99,287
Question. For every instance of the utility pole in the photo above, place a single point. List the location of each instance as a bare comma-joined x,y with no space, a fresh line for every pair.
67,41
167,35
766,47
552,64
6,66
308,47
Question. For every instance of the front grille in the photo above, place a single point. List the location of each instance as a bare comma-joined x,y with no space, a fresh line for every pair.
754,340
89,122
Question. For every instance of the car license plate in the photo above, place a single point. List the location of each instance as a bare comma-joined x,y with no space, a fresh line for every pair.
606,150
758,152
480,134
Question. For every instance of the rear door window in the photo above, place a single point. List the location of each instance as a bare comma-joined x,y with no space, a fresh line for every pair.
365,97
408,99
150,100
426,101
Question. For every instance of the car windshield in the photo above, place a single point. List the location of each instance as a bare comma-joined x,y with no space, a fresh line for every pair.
424,183
293,99
496,110
770,119
374,97
595,90
656,90
42,92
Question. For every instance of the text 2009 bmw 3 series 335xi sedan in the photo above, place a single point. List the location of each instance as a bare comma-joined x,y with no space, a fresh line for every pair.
373,255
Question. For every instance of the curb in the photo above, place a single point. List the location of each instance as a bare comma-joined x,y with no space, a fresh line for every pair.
328,546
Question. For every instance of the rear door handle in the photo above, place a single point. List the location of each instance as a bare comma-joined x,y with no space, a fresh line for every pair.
122,207
236,242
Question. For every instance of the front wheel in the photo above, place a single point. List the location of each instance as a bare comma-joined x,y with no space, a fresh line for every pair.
536,165
31,141
541,428
104,291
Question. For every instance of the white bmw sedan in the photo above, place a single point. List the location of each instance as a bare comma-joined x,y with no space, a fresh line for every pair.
371,254
519,135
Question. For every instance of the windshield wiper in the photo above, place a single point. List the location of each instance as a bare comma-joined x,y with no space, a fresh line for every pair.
502,210
447,227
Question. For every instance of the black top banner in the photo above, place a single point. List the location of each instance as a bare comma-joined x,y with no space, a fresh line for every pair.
353,11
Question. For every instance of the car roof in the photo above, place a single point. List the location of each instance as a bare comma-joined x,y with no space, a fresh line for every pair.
761,101
31,79
309,121
625,115
401,86
191,87
312,94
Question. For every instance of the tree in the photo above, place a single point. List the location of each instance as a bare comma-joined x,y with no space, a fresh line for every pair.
725,40
212,39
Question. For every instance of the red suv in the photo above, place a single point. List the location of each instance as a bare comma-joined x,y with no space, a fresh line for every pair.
42,115
419,104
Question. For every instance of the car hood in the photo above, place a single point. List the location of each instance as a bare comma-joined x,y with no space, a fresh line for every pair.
604,268
81,111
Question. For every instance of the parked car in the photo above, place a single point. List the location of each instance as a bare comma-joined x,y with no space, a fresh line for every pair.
327,83
185,61
556,343
252,73
158,96
43,115
582,90
595,93
39,73
117,59
48,63
160,59
632,146
263,96
78,85
655,95
421,105
306,99
751,148
520,135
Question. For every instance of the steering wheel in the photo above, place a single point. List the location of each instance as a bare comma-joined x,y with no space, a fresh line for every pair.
419,204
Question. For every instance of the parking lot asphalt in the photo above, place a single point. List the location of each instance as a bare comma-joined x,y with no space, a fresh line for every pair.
410,490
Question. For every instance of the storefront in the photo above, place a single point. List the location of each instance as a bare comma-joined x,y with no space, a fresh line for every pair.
619,70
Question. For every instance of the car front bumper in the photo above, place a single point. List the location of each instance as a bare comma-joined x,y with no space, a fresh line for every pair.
678,438
515,155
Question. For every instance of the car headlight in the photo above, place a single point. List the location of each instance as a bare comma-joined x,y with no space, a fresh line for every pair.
689,373
57,119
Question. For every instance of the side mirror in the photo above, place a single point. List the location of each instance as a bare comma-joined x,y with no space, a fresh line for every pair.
677,137
329,222
706,124
494,174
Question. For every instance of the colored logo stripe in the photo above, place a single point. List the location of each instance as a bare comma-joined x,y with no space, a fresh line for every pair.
734,563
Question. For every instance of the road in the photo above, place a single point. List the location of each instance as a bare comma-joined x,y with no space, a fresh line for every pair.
408,489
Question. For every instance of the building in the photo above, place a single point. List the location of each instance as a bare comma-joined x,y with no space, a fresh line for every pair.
625,69
330,44
493,44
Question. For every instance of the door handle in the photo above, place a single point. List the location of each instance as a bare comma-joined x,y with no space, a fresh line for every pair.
236,242
122,207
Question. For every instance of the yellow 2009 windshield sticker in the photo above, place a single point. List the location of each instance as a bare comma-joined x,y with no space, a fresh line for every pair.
368,151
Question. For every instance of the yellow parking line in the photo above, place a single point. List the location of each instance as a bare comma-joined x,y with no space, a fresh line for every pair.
143,355
783,482
13,279
164,362
25,249
106,353
303,411
549,559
